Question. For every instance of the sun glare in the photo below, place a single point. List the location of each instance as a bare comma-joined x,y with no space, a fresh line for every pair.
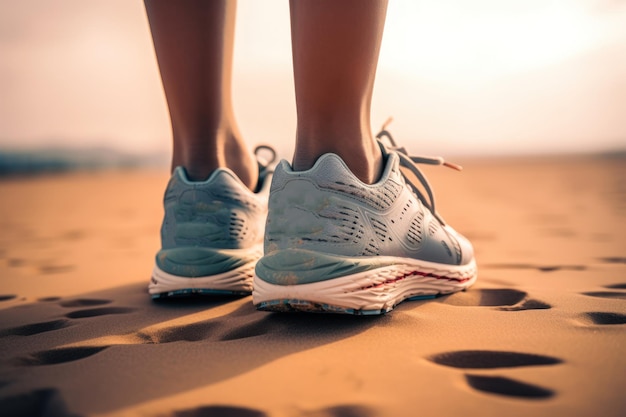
456,42
453,71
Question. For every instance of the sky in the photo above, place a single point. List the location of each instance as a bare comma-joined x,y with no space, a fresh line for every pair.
458,77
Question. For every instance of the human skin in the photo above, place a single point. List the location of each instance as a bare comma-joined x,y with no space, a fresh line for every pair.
335,45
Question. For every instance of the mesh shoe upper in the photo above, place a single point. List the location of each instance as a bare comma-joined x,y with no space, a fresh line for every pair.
212,226
327,209
335,244
218,213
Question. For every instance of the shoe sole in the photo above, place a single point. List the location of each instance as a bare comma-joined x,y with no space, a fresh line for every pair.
235,282
371,292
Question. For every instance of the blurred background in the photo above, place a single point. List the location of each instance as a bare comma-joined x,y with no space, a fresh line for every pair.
481,77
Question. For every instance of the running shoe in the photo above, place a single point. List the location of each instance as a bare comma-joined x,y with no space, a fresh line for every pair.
335,244
212,233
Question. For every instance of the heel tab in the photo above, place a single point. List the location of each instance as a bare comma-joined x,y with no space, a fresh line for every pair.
180,173
326,161
330,167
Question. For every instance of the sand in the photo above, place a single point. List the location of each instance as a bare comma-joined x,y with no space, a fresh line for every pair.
542,333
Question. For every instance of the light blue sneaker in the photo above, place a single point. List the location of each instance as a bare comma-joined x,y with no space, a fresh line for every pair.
335,244
212,233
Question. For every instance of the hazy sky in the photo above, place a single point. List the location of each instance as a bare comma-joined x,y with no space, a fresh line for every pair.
459,76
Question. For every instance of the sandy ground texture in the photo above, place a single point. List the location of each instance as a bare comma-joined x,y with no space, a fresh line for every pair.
542,333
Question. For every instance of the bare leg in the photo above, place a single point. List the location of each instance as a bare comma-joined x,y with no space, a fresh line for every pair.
193,40
335,52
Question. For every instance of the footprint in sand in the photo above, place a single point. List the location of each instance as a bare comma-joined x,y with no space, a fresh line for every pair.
506,299
213,329
506,386
607,294
487,359
48,326
193,332
48,299
614,260
55,269
42,402
541,268
61,355
94,312
84,302
341,411
620,295
229,411
620,286
603,318
257,328
35,328
490,359
69,354
219,411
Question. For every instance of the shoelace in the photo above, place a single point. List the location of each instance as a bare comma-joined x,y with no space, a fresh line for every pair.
410,162
266,163
265,156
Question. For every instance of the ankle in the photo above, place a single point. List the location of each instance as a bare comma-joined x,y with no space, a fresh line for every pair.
242,162
201,158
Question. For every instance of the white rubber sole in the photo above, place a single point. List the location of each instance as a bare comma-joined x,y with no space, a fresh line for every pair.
238,281
371,292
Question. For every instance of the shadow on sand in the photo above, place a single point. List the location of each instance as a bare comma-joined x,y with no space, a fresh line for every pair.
107,350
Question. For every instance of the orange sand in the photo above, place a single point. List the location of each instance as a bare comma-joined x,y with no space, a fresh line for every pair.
541,334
